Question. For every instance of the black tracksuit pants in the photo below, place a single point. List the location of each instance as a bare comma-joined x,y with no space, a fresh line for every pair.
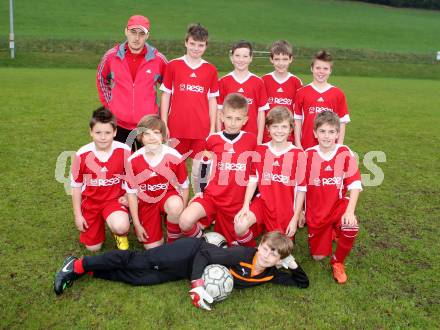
166,263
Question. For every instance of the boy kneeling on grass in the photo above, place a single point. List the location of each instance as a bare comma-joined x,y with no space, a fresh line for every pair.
186,258
331,171
157,184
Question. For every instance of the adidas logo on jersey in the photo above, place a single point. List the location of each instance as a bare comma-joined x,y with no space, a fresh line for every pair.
276,163
320,99
104,169
148,71
153,174
280,90
328,168
241,90
230,150
193,75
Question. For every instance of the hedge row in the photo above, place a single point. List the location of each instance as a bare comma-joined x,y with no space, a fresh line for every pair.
425,4
218,49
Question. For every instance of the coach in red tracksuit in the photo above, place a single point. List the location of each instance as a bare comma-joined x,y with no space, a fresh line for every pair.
127,77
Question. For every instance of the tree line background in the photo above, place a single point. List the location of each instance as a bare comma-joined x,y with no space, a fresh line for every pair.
425,4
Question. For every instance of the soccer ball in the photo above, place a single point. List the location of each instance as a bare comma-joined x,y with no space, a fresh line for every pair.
218,281
216,239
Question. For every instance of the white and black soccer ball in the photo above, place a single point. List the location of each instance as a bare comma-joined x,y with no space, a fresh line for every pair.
218,281
216,239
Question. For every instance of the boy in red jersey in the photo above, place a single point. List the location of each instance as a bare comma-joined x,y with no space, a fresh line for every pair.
188,104
97,184
315,98
158,184
276,173
281,85
231,151
249,85
331,171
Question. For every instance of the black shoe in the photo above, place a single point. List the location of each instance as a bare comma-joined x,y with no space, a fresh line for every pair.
65,275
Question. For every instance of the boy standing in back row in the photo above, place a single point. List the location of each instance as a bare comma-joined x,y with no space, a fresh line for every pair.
247,84
281,85
188,104
317,97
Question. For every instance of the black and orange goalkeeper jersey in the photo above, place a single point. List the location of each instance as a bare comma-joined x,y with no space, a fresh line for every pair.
241,263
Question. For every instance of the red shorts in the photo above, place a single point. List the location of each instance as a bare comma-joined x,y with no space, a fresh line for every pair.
266,221
150,217
320,239
194,146
223,216
96,213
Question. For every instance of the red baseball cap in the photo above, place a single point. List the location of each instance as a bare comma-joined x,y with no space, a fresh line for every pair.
139,22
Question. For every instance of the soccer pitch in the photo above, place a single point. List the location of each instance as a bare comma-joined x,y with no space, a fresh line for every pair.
393,268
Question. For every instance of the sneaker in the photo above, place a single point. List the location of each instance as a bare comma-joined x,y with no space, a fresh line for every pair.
121,242
65,276
339,273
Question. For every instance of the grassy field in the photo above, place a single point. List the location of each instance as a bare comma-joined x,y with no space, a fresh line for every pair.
393,268
308,23
386,42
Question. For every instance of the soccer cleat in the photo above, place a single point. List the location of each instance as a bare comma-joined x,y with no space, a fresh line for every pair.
121,242
65,276
339,273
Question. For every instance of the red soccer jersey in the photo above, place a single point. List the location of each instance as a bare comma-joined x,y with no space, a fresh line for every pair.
326,181
100,177
190,89
281,92
309,101
231,165
252,88
278,174
152,179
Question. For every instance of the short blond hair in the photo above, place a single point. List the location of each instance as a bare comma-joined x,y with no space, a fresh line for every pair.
279,242
235,101
279,114
151,122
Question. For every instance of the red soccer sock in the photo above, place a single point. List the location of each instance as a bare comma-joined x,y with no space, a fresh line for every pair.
247,239
346,239
173,232
195,231
78,267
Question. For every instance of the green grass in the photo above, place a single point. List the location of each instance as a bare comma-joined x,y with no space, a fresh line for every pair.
393,268
301,66
365,39
307,23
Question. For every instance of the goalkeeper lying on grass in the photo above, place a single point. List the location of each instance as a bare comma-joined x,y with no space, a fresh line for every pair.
187,258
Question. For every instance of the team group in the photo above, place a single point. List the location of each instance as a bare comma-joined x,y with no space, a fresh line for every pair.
270,147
